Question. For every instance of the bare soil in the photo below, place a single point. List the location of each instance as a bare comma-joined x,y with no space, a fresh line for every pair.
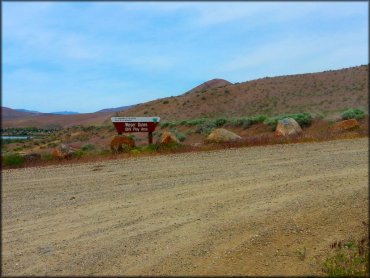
270,210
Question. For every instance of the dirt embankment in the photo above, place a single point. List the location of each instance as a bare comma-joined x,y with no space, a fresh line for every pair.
271,210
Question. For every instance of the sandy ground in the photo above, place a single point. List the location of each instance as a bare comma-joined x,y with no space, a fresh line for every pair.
270,210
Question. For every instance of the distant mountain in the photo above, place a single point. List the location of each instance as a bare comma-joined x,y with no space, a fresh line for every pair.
9,113
28,111
118,109
64,113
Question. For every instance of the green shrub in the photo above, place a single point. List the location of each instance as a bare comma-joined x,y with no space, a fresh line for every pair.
168,124
79,153
194,122
180,136
151,148
205,128
235,121
88,147
353,113
220,122
258,119
164,124
14,160
246,123
47,156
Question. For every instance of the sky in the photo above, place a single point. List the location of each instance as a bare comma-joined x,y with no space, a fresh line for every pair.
87,56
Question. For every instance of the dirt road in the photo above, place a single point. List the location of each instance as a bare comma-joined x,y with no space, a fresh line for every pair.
270,210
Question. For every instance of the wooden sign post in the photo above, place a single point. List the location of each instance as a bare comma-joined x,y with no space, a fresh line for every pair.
136,124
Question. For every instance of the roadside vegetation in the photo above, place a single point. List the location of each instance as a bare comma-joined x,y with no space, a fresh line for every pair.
349,259
93,142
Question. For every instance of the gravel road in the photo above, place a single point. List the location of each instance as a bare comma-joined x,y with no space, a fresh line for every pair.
270,210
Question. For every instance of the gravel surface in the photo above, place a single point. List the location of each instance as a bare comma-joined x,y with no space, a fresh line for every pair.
270,210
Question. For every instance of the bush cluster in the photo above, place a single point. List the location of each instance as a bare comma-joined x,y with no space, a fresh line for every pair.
14,159
353,113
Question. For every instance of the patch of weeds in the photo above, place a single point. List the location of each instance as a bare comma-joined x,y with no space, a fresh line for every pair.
150,148
88,147
47,156
351,258
302,254
220,122
135,151
205,128
13,160
165,102
105,152
168,124
169,147
79,153
194,122
180,136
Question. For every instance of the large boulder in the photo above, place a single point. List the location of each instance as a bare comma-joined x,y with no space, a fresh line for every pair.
120,143
220,135
346,125
168,138
63,151
287,127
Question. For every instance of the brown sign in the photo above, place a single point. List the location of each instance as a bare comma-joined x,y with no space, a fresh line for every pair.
135,127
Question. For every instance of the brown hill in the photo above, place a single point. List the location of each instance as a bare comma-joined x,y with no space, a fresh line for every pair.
326,92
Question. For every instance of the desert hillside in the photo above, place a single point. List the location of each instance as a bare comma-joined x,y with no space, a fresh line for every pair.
324,92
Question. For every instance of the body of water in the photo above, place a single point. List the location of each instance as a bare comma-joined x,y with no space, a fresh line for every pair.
15,137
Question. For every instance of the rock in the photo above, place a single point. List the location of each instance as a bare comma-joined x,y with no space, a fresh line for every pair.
219,135
63,151
349,125
121,142
167,138
287,127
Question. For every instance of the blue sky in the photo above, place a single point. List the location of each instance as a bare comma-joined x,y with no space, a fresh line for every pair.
92,55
